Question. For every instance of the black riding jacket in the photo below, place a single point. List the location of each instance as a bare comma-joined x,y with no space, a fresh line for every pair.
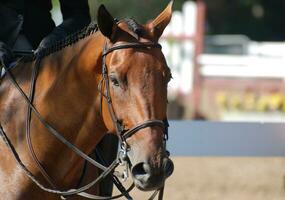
33,19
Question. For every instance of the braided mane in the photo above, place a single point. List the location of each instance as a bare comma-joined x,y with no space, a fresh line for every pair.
81,34
69,40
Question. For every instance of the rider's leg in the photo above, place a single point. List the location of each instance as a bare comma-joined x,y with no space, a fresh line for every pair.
107,149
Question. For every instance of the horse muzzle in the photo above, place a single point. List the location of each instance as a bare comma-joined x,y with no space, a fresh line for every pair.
148,177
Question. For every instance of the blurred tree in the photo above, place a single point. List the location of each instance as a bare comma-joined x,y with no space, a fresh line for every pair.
258,19
139,10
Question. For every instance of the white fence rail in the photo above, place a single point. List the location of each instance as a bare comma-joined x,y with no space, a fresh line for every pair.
178,47
242,66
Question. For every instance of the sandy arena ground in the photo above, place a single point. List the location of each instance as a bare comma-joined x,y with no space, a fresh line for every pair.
224,178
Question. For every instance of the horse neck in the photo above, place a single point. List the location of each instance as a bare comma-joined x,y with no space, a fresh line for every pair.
67,97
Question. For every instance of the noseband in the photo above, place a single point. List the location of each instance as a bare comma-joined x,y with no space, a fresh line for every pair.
123,134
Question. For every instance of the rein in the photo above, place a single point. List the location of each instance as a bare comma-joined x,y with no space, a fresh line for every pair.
79,191
120,131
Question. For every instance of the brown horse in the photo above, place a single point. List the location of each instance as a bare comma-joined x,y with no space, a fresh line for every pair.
67,97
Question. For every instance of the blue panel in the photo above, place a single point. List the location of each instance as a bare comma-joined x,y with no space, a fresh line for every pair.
203,138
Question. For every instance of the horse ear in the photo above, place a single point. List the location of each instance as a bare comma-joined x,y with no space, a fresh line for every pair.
158,25
106,22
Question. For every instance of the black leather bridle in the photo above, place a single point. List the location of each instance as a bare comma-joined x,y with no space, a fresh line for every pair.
121,133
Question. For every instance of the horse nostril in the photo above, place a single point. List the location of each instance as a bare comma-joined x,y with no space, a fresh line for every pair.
168,167
141,169
147,178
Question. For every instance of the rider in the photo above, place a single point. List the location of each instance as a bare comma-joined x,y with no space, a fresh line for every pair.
27,24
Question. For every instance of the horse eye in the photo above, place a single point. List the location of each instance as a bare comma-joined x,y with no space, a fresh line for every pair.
114,81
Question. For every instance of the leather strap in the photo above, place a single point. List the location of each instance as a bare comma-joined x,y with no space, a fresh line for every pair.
145,45
143,125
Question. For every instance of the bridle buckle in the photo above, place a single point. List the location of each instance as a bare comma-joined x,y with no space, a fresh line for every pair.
123,157
123,161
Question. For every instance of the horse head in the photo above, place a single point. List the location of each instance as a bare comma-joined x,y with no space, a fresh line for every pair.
136,78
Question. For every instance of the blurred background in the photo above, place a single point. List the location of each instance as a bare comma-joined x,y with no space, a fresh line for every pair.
227,57
228,64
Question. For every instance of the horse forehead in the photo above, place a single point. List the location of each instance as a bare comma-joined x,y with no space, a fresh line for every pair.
138,64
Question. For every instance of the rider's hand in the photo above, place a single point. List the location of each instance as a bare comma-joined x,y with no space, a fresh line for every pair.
6,53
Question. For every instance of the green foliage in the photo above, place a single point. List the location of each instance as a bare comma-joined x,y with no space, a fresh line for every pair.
248,2
139,10
55,3
258,19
